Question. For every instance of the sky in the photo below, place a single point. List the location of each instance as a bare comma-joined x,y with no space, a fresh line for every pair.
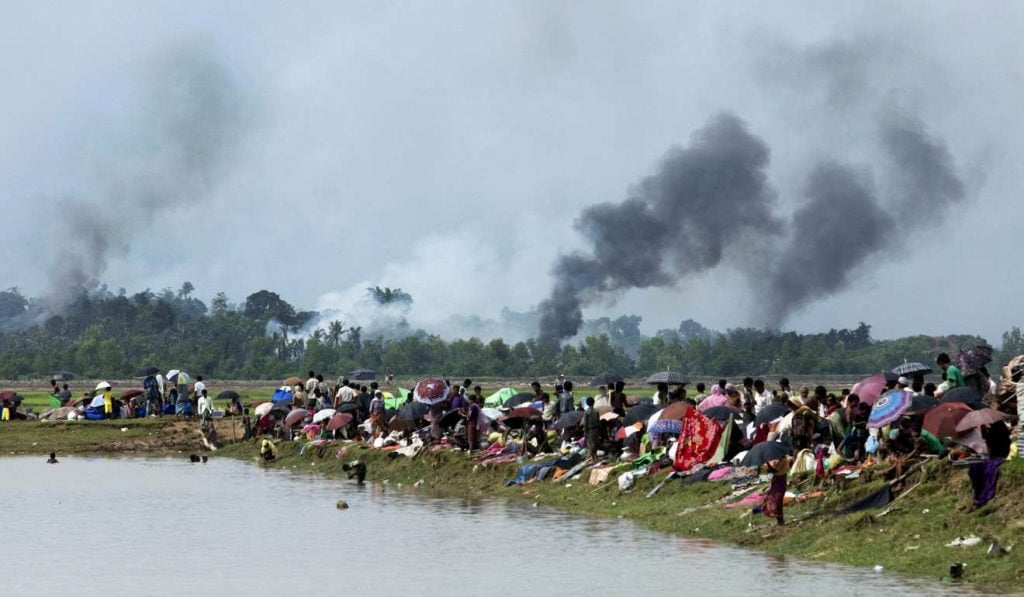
448,147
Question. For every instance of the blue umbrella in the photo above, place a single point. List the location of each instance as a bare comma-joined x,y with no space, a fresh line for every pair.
889,407
666,426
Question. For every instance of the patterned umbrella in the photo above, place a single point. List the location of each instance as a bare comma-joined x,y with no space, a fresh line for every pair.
668,377
339,420
911,369
942,420
666,426
628,430
430,391
869,388
978,418
971,360
889,407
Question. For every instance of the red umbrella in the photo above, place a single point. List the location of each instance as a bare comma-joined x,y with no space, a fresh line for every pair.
129,394
8,395
430,391
518,417
869,388
339,420
628,430
942,420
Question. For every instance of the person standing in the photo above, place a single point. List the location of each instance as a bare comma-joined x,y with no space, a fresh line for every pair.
473,422
200,387
65,395
377,414
566,401
591,428
618,399
205,405
345,394
761,396
660,397
310,383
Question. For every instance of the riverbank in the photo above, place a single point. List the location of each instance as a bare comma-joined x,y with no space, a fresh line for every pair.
909,538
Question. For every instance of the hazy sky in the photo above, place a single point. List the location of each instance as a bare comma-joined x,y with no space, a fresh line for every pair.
447,147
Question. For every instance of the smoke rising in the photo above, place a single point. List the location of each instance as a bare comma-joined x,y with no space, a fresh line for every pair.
681,220
176,153
705,199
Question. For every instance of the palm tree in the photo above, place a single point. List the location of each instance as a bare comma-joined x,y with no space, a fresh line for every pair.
335,330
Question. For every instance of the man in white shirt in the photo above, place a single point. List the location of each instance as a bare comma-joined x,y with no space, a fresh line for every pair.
602,399
205,404
199,387
762,397
311,383
661,396
345,394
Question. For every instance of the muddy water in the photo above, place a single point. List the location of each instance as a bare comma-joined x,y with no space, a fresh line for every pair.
90,526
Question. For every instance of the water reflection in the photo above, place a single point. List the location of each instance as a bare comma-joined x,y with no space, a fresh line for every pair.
228,528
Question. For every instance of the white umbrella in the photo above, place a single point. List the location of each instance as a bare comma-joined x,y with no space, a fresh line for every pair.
322,415
491,413
102,386
97,402
263,409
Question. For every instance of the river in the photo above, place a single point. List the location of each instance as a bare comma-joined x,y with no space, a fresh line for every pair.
94,526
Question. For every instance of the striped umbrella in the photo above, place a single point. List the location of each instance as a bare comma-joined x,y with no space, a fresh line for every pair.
911,369
668,377
889,407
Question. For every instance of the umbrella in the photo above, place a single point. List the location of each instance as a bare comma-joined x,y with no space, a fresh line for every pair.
978,418
338,421
291,382
80,401
263,409
362,375
971,360
628,430
97,402
638,400
718,413
771,412
228,395
676,410
869,388
409,412
295,416
280,408
666,426
967,395
519,417
430,391
605,379
765,452
942,420
449,419
146,372
103,386
609,416
520,399
922,404
177,376
890,376
492,413
889,407
713,401
640,413
8,395
569,419
129,394
62,376
324,414
911,369
668,377
348,407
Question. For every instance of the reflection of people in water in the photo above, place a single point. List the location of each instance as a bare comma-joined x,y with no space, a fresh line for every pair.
355,469
53,458
268,451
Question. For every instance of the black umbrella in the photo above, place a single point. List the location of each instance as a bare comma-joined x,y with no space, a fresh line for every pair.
228,395
450,418
668,377
605,379
569,419
638,400
363,375
922,404
720,413
766,452
891,376
639,413
347,407
62,376
771,412
280,409
147,372
410,416
966,394
520,399
912,369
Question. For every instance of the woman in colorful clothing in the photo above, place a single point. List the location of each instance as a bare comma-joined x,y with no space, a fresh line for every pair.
377,414
773,500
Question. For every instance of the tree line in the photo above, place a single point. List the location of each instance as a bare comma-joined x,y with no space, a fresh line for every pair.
106,334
